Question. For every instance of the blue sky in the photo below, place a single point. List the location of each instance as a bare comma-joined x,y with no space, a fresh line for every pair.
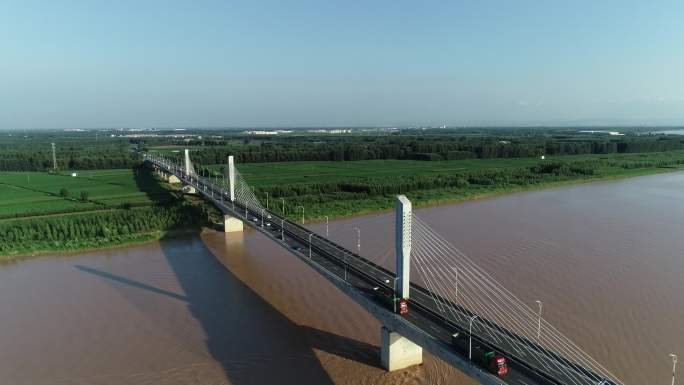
340,63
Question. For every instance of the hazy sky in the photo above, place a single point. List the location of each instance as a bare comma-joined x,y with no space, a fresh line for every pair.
148,63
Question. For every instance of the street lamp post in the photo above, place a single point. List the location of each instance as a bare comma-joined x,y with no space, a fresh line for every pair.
345,267
282,228
456,291
674,366
358,238
266,199
470,337
539,318
310,235
326,226
262,217
302,207
394,295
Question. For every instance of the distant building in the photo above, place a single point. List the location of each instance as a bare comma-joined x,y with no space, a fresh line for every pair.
614,133
268,132
261,132
333,131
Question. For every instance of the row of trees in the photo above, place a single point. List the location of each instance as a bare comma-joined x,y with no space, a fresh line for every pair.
430,148
30,160
64,193
82,153
94,229
75,151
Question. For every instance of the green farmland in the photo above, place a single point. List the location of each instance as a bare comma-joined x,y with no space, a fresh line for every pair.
286,173
42,212
131,205
356,187
36,193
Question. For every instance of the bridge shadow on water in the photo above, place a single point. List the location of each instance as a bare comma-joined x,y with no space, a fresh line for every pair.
252,341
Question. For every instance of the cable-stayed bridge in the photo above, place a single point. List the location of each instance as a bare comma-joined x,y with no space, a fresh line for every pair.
457,311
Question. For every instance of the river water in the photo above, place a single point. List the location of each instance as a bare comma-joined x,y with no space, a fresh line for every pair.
605,258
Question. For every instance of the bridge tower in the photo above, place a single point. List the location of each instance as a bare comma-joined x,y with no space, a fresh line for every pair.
398,352
231,177
189,170
230,223
403,245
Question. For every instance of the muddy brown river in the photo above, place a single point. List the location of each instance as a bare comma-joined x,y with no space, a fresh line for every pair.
607,259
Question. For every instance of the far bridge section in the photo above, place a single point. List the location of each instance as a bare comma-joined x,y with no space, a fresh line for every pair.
456,311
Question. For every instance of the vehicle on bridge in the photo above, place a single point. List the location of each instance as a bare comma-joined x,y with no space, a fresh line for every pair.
494,361
398,305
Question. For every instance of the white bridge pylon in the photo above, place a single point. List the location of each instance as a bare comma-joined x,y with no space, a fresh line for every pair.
231,177
403,246
188,168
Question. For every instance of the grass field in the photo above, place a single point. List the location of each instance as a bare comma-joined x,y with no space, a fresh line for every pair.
286,173
35,193
267,174
336,201
333,189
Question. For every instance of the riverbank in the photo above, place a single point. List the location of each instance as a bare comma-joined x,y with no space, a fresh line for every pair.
39,235
27,253
135,240
450,197
23,238
363,195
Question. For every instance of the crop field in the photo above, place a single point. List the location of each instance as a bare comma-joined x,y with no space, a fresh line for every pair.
353,187
265,174
288,173
17,200
34,193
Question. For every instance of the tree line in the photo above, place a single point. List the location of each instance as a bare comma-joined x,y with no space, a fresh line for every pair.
429,148
95,229
82,154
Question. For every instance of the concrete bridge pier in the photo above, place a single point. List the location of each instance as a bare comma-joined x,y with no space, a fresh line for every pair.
397,352
173,179
188,189
230,223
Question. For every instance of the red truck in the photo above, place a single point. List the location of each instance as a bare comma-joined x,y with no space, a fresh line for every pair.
495,362
400,305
